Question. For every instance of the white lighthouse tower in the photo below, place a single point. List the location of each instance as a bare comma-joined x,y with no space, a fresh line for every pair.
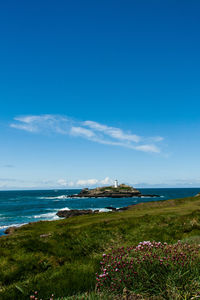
116,183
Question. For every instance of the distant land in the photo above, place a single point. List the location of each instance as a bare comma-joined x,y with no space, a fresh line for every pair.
116,191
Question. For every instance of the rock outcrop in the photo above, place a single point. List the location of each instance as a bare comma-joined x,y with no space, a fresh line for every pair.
122,191
10,230
75,212
79,212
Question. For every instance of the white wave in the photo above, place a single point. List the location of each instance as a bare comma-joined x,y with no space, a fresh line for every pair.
55,197
78,197
70,197
4,227
93,209
100,209
104,210
62,197
12,225
65,208
51,216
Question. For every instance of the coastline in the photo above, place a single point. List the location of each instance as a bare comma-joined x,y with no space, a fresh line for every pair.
65,214
73,246
43,205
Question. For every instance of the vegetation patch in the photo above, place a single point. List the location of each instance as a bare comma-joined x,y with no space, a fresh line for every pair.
62,257
152,269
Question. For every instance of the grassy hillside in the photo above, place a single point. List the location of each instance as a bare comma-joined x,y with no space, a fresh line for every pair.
62,257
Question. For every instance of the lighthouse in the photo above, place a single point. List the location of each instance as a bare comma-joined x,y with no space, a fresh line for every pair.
116,183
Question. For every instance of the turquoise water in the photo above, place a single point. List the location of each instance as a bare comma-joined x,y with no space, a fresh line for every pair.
21,207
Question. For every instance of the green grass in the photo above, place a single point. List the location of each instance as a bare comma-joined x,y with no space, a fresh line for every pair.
120,188
65,261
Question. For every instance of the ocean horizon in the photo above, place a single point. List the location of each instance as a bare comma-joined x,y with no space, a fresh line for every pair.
19,207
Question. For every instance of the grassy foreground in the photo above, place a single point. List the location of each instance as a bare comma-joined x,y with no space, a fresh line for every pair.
61,257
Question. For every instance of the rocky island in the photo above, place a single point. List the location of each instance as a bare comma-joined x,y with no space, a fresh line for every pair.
116,191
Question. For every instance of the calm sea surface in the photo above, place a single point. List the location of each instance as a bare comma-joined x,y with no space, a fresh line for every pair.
21,207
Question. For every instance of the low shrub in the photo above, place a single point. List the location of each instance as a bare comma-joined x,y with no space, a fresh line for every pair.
152,268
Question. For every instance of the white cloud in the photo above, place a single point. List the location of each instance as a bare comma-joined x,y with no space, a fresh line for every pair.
148,148
113,132
87,182
42,123
106,181
90,182
23,127
89,130
84,182
80,131
62,182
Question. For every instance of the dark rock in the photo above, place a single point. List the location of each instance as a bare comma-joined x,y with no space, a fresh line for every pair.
80,212
10,230
197,195
111,208
73,213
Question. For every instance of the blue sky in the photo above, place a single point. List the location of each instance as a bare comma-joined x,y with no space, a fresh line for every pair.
92,91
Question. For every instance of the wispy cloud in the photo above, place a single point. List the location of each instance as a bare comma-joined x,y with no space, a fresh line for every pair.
42,123
90,130
112,132
84,132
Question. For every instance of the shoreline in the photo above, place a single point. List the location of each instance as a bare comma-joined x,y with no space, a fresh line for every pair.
104,209
56,250
14,227
11,229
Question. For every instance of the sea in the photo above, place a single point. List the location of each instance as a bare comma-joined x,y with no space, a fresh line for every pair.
21,207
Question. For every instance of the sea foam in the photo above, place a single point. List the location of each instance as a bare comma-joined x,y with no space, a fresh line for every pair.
12,225
49,216
55,197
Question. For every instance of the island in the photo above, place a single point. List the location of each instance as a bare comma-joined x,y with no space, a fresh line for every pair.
116,191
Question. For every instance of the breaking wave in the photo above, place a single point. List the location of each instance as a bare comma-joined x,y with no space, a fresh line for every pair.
51,216
55,197
65,208
12,225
